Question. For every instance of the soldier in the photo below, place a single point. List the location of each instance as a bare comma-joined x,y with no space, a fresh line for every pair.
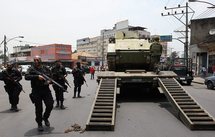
11,77
40,92
59,75
78,74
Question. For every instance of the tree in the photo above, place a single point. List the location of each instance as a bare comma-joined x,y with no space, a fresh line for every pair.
174,55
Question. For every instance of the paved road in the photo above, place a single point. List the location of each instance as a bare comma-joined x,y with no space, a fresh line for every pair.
151,118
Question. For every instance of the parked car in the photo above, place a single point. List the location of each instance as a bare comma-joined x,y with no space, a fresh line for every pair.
210,82
68,70
24,69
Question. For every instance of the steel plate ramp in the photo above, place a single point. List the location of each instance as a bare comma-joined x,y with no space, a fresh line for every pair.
102,115
189,111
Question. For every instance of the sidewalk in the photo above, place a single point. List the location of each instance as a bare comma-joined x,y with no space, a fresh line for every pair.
198,80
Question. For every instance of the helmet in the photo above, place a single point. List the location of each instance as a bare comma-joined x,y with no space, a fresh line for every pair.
78,63
58,63
37,58
10,64
58,60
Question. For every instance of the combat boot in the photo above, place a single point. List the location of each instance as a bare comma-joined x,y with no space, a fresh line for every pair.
15,108
11,108
47,123
40,128
62,106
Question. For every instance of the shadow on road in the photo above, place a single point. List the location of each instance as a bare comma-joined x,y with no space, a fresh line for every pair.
47,131
140,94
9,111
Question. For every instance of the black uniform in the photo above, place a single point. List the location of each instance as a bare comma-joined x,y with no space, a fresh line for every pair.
11,78
59,73
78,74
40,92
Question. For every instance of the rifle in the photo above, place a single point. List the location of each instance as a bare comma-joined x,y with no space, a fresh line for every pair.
49,79
66,81
14,81
85,81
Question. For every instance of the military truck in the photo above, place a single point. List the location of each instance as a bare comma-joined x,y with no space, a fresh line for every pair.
132,54
135,62
183,70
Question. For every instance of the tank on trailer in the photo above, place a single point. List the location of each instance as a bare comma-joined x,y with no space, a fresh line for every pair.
134,60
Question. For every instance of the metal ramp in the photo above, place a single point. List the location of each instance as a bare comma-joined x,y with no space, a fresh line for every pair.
102,115
189,111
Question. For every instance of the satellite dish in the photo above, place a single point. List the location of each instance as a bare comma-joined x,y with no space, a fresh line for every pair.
212,32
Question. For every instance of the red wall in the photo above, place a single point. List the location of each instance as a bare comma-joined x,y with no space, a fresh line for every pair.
52,52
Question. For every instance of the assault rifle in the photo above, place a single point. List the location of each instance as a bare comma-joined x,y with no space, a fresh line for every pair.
14,81
47,78
66,81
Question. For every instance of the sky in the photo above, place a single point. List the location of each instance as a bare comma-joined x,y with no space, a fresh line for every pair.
64,21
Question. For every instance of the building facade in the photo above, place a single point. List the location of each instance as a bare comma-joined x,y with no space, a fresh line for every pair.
202,44
48,53
52,52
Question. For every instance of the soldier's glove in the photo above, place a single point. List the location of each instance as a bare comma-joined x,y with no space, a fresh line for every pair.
40,77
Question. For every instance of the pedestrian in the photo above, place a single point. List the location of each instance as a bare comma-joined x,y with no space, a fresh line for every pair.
11,77
59,75
213,69
78,74
92,72
40,91
204,71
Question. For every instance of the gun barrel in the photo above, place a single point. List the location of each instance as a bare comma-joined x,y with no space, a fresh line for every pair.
50,79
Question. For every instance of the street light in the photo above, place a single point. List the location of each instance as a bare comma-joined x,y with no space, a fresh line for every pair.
213,6
5,41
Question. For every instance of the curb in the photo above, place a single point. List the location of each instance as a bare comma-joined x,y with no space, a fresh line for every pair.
198,82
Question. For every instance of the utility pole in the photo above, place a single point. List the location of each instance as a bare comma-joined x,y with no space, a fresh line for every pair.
102,49
186,36
176,14
5,41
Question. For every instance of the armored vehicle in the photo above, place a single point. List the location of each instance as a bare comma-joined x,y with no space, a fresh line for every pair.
132,54
135,62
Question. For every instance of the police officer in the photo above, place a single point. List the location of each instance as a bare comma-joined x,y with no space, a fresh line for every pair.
11,77
78,74
40,92
59,75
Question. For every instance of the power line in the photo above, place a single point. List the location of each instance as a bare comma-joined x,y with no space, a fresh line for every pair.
178,15
206,13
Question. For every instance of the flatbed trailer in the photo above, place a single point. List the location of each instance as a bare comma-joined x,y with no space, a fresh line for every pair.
102,115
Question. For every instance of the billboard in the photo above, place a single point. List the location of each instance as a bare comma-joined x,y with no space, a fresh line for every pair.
166,38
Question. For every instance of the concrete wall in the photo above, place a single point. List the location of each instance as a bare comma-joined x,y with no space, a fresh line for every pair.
200,29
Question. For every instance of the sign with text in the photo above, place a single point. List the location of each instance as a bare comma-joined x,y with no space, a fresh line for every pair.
166,38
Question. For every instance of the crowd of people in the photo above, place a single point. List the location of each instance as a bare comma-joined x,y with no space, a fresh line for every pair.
40,77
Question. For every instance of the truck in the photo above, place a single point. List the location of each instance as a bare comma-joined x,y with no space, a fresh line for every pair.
134,62
183,70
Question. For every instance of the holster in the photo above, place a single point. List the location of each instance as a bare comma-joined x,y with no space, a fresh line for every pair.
19,87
